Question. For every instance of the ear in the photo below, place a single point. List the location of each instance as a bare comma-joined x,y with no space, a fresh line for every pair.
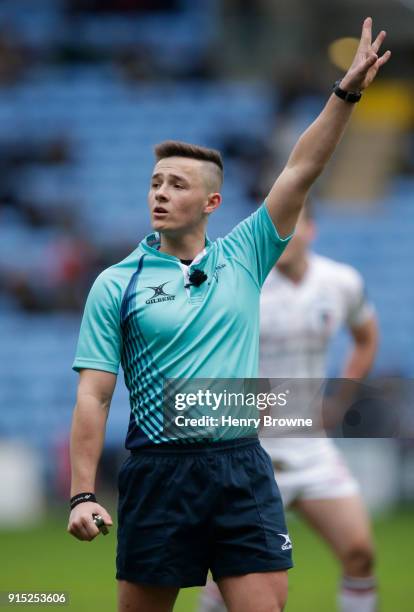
213,202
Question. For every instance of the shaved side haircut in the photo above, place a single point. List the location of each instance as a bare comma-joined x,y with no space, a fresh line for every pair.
176,148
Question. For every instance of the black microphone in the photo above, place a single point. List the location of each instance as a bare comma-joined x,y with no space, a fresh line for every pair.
196,278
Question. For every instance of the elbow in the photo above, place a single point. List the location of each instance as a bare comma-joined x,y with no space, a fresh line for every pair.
311,173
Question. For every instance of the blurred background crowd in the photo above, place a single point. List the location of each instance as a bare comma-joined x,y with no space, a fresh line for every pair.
87,87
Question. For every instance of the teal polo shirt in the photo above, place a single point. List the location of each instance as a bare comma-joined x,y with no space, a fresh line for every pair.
140,314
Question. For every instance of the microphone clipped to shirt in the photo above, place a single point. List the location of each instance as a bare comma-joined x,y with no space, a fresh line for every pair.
196,278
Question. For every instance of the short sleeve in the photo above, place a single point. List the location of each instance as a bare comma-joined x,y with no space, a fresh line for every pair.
256,244
359,309
100,339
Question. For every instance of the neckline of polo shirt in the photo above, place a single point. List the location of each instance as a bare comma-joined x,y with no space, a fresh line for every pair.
152,250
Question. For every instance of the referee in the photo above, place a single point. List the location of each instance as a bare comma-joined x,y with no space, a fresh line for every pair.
182,307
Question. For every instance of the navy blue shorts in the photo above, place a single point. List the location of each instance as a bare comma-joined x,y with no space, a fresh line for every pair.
184,511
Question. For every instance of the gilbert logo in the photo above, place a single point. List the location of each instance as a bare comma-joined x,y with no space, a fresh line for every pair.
217,270
159,295
287,544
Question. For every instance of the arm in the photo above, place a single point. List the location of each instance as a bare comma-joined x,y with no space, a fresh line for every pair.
87,437
365,342
358,365
316,146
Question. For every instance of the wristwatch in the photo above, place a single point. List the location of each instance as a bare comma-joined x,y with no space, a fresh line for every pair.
348,96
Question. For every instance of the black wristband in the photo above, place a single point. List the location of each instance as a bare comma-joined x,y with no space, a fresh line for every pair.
80,498
348,96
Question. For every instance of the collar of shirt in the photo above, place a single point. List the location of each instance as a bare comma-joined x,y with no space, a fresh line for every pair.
151,244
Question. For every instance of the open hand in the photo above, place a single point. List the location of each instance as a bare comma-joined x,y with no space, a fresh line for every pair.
366,62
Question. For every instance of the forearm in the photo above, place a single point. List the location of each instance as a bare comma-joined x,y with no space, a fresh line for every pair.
357,366
315,147
317,144
87,438
359,362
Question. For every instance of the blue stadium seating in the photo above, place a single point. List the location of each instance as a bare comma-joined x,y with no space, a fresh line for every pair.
111,126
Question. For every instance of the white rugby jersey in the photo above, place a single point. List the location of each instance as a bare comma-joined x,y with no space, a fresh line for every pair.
297,321
297,324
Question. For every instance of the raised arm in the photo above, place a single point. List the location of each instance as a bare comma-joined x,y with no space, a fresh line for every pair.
88,431
317,144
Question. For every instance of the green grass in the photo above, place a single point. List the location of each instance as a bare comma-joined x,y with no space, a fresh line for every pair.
46,558
313,581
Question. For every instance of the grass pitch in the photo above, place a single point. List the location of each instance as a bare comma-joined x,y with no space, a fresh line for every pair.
46,558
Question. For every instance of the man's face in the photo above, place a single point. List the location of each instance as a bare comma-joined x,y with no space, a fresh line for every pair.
299,245
180,194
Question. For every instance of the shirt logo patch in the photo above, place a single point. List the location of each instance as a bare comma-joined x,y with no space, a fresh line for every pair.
217,270
159,295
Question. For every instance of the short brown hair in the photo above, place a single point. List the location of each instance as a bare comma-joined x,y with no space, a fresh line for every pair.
176,148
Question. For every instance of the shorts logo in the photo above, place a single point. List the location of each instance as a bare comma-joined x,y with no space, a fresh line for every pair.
287,544
159,295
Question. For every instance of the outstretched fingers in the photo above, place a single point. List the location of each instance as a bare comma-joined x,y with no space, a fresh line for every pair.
376,45
367,61
384,59
371,60
366,35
